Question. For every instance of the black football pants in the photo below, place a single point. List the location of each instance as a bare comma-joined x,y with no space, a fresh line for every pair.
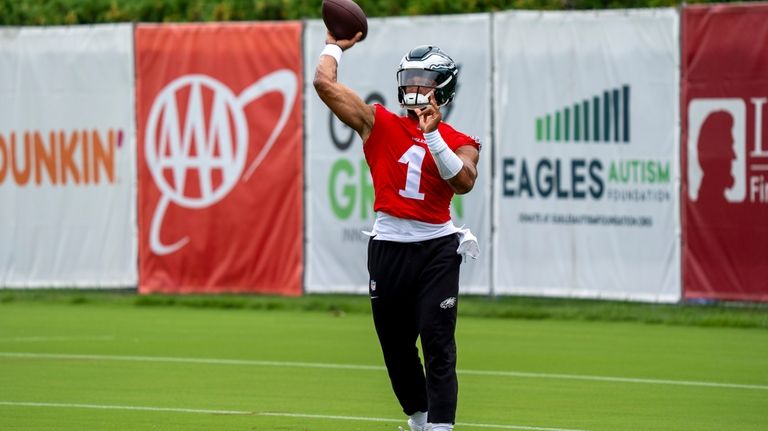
414,289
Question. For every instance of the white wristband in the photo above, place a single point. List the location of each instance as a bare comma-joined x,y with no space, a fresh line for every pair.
334,51
448,163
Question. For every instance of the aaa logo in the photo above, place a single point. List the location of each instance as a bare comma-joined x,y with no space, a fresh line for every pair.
210,138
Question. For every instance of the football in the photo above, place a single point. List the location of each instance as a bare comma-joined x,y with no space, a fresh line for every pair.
344,18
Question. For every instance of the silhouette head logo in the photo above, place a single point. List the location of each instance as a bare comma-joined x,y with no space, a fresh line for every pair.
716,156
207,142
716,145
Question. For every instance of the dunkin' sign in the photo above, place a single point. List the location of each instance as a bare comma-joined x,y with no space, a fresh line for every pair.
220,158
67,157
78,157
725,153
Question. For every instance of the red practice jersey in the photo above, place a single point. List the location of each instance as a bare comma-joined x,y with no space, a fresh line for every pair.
406,181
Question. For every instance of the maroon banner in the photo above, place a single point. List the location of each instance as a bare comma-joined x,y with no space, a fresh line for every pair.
725,152
220,158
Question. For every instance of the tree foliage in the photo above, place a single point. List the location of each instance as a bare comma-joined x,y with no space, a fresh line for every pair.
65,12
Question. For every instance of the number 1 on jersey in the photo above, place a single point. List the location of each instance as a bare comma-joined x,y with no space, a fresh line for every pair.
414,157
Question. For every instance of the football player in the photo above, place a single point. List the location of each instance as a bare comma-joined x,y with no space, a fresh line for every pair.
417,162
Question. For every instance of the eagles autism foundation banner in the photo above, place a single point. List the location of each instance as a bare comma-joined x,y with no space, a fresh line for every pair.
67,157
339,189
587,140
725,156
220,158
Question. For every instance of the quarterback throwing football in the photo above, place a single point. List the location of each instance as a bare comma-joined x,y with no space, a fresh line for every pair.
418,163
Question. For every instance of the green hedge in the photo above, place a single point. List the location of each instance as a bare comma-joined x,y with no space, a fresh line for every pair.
725,314
56,12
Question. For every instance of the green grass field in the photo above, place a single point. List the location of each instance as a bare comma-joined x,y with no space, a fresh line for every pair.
113,365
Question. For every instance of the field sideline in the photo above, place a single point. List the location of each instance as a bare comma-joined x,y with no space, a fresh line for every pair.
69,363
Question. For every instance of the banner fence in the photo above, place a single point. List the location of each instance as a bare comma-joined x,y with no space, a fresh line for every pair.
67,157
586,135
725,153
603,173
220,156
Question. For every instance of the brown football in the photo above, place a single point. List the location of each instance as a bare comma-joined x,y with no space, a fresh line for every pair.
344,18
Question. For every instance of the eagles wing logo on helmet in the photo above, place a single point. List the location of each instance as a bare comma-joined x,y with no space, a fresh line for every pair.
426,67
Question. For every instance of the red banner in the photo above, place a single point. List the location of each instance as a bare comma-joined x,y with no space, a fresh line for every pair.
220,158
725,152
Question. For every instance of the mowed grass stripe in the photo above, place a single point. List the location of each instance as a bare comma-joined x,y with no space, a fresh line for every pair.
571,348
463,424
113,407
47,339
273,414
290,364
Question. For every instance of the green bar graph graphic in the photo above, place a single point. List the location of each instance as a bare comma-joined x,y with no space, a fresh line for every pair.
603,117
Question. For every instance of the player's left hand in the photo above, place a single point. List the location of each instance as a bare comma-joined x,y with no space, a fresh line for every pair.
430,116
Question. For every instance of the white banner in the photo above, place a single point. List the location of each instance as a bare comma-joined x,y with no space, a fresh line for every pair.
339,188
67,157
587,115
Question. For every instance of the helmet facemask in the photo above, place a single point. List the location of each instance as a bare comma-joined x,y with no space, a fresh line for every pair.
425,70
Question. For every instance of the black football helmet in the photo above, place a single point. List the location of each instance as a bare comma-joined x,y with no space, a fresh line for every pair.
426,66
